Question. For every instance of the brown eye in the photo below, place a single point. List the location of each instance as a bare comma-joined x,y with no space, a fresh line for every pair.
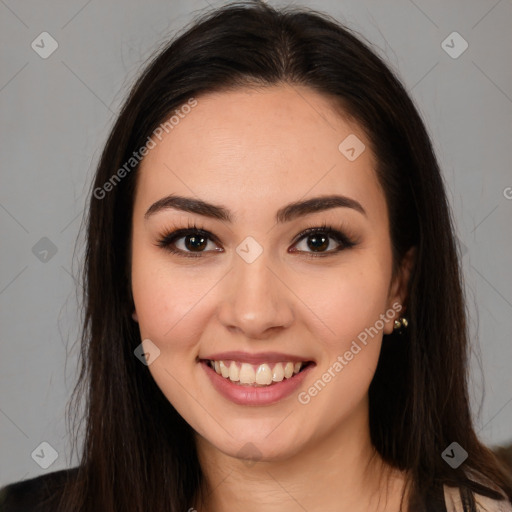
318,240
195,242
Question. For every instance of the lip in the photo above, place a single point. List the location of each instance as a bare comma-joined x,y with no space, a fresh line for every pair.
260,358
249,395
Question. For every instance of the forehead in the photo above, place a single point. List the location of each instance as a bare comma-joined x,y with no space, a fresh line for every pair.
263,146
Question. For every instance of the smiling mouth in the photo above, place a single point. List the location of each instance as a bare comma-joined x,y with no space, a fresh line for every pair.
256,375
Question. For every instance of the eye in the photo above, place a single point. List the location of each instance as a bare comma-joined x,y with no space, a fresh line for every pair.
318,240
196,241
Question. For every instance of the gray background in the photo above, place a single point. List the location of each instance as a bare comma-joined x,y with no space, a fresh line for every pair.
55,117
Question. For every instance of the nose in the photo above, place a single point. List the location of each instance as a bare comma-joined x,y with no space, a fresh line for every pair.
255,300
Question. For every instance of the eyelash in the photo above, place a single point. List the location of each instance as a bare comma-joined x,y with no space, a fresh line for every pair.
171,236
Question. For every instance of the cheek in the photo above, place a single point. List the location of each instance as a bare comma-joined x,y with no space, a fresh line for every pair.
169,301
350,305
168,311
346,300
160,299
162,305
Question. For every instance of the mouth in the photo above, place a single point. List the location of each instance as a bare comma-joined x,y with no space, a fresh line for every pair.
262,375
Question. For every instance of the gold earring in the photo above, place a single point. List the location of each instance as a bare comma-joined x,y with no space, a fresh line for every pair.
400,324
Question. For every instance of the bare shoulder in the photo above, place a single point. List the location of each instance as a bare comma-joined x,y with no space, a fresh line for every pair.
484,504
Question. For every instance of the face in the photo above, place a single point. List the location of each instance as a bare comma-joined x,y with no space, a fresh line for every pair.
249,288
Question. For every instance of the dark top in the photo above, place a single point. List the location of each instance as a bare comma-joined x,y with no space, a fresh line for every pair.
30,495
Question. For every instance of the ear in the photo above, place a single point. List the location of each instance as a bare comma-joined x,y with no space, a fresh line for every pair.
398,289
134,316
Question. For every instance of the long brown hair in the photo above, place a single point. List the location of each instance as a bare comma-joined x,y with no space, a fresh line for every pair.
139,453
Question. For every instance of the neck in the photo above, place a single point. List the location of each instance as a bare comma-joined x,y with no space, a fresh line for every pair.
337,471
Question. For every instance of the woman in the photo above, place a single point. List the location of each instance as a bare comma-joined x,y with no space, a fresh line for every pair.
274,311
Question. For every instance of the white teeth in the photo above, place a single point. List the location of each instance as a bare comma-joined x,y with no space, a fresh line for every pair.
224,370
278,373
247,374
234,372
262,375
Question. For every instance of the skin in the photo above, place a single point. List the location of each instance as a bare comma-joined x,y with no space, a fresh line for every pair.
254,151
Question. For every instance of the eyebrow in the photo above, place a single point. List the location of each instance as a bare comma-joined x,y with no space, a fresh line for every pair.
286,214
